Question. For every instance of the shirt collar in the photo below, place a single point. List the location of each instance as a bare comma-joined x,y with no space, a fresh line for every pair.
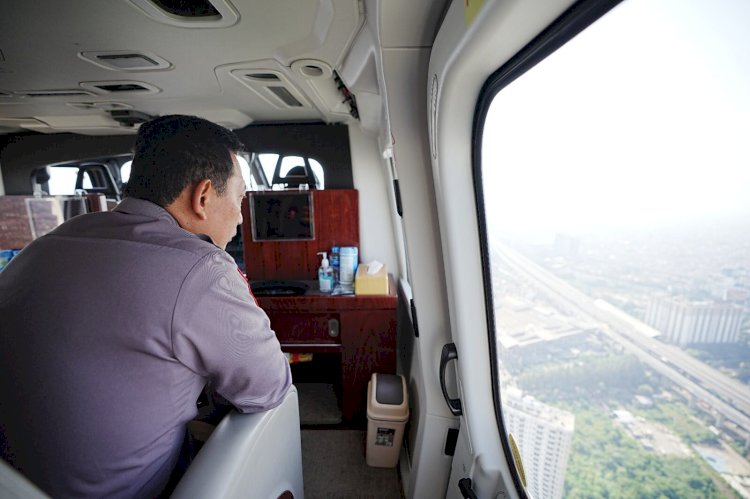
135,206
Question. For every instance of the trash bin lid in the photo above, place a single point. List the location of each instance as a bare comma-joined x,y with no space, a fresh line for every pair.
387,398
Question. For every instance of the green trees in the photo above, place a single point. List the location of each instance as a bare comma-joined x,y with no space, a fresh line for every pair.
595,376
605,462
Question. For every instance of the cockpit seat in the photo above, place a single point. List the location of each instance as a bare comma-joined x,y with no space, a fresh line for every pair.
299,175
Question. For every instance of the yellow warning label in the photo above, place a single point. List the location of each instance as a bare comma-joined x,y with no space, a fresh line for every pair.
471,8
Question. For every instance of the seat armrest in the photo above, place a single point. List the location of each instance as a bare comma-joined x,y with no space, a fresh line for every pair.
14,485
249,455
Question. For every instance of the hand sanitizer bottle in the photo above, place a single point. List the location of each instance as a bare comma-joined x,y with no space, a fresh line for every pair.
325,274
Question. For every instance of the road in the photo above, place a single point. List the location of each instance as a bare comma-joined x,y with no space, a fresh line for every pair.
727,397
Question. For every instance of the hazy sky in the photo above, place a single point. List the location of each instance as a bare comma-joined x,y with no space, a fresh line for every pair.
642,119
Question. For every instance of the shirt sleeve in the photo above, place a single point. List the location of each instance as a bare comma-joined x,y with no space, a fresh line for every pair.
219,332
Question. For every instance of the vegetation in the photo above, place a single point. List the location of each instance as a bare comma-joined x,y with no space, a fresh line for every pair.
596,377
605,462
679,419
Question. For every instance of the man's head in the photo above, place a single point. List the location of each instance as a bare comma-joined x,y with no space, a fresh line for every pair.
188,166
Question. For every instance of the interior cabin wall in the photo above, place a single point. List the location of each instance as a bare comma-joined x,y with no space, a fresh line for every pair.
465,54
405,72
371,179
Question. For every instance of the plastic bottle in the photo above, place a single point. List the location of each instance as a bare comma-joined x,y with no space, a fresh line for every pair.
349,259
325,274
335,263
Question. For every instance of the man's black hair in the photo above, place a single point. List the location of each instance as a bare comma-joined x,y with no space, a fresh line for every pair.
175,151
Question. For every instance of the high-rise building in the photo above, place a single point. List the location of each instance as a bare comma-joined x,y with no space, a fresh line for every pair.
684,322
544,434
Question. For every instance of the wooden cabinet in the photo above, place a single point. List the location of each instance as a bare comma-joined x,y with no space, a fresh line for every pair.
362,329
357,331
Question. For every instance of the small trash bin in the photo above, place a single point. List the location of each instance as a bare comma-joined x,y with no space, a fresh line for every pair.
387,413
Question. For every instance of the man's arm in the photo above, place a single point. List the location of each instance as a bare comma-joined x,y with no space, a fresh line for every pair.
219,332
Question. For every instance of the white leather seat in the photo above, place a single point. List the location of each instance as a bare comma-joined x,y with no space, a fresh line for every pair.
14,485
249,455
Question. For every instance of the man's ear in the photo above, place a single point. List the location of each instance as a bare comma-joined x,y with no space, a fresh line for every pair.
199,199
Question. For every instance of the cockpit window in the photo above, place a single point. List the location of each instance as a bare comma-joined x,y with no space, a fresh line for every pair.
125,171
62,180
284,172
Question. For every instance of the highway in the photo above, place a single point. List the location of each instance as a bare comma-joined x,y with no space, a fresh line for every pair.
727,397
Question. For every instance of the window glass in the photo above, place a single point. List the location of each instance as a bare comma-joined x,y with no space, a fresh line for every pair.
616,177
268,162
245,169
62,180
317,169
125,171
289,162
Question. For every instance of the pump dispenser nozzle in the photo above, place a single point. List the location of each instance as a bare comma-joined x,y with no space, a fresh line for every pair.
324,263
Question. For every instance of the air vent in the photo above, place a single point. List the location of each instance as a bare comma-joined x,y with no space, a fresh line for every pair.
120,87
55,93
126,60
285,96
192,8
105,106
272,85
263,76
129,118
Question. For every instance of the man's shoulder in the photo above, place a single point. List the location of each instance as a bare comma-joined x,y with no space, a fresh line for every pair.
150,232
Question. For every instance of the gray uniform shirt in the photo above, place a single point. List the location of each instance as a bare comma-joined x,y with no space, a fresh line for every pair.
110,326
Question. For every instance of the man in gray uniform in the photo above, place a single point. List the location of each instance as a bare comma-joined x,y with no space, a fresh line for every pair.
111,325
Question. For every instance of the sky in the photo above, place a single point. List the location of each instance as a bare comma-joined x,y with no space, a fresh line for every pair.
642,120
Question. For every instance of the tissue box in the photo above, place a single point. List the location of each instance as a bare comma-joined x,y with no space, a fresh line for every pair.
371,284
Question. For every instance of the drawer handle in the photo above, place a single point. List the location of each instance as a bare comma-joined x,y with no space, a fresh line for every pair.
333,328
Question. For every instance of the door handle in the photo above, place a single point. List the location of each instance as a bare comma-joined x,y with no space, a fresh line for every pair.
449,353
464,485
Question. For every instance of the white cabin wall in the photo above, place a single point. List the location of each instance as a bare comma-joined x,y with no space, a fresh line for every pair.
465,54
372,180
405,71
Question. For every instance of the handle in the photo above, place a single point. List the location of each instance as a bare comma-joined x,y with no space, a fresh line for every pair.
464,485
449,353
333,328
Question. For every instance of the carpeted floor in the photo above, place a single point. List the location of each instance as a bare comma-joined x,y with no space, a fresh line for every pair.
317,404
333,463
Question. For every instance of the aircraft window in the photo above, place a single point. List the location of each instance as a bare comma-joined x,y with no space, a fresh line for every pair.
241,159
614,180
125,171
270,161
245,169
62,180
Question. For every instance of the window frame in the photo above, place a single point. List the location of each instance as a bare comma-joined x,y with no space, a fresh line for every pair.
573,21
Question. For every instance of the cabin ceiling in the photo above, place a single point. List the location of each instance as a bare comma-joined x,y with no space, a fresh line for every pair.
70,65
